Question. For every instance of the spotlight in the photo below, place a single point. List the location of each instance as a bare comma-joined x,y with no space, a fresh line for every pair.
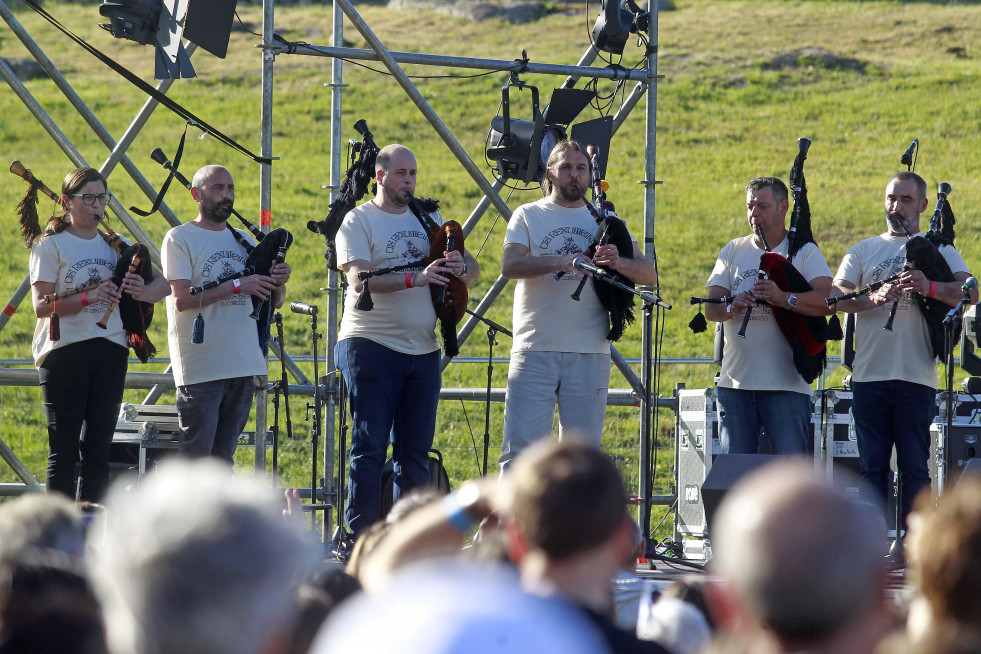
614,23
135,20
521,147
208,23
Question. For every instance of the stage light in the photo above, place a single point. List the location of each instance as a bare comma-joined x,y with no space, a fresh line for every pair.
614,23
135,20
521,147
207,23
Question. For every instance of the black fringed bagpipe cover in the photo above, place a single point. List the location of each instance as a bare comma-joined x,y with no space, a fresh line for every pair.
261,259
136,315
618,303
924,254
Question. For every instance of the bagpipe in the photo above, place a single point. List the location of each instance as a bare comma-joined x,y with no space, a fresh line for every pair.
360,173
924,254
136,316
807,335
617,302
269,250
449,301
616,298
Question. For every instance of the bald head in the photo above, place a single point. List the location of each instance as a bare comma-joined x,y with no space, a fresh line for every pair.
214,191
801,558
395,173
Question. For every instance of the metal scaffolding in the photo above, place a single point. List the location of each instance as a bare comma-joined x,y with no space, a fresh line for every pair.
328,385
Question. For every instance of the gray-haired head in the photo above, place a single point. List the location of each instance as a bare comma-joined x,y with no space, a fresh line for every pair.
198,561
801,557
41,520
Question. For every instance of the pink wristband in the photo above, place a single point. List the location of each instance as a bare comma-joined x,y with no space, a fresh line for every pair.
85,298
933,289
408,279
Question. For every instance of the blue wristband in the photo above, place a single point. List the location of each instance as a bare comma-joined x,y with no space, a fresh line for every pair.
456,513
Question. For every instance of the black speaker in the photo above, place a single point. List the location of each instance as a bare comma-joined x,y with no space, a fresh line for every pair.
727,470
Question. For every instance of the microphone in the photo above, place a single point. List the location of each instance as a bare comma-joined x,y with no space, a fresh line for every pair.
304,308
907,158
972,282
581,264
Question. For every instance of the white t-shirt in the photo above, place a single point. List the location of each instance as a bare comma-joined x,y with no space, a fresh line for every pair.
73,262
905,353
763,361
545,317
403,320
231,342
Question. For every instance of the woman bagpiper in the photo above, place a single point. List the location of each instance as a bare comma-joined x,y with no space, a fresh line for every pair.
81,365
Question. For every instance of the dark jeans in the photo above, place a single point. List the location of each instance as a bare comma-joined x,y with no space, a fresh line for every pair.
784,415
82,386
393,400
888,413
212,415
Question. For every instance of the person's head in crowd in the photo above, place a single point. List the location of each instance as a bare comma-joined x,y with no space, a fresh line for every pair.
945,554
455,606
198,560
41,520
363,547
800,563
47,606
567,521
318,595
410,502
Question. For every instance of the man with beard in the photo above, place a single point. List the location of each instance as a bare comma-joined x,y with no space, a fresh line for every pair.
894,376
214,378
560,349
389,355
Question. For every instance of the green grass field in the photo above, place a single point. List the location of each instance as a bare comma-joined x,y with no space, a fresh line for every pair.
742,80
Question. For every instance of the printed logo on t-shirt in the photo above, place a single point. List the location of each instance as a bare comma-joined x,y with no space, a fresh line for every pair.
565,241
888,268
406,246
87,272
224,257
743,283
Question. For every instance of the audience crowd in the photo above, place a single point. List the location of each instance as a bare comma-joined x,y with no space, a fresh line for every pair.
196,560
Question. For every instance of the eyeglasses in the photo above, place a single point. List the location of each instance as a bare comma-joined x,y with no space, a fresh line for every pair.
91,198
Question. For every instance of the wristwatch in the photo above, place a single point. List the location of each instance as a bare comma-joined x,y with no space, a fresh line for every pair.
792,301
464,273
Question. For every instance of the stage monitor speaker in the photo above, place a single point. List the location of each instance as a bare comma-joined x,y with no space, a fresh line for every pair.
727,470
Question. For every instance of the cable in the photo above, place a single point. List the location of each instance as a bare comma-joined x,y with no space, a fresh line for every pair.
487,235
472,438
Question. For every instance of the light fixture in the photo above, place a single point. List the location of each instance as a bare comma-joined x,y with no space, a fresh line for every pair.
207,23
614,23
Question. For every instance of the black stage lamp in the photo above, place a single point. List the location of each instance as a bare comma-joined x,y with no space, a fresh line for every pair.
614,23
135,20
521,147
207,23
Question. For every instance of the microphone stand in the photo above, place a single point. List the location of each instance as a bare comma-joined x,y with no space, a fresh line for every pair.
603,276
492,329
283,386
315,425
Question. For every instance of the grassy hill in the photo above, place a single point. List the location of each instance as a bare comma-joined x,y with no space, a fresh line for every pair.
742,80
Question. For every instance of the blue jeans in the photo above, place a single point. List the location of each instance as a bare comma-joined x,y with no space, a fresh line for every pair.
393,399
784,415
887,413
212,415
